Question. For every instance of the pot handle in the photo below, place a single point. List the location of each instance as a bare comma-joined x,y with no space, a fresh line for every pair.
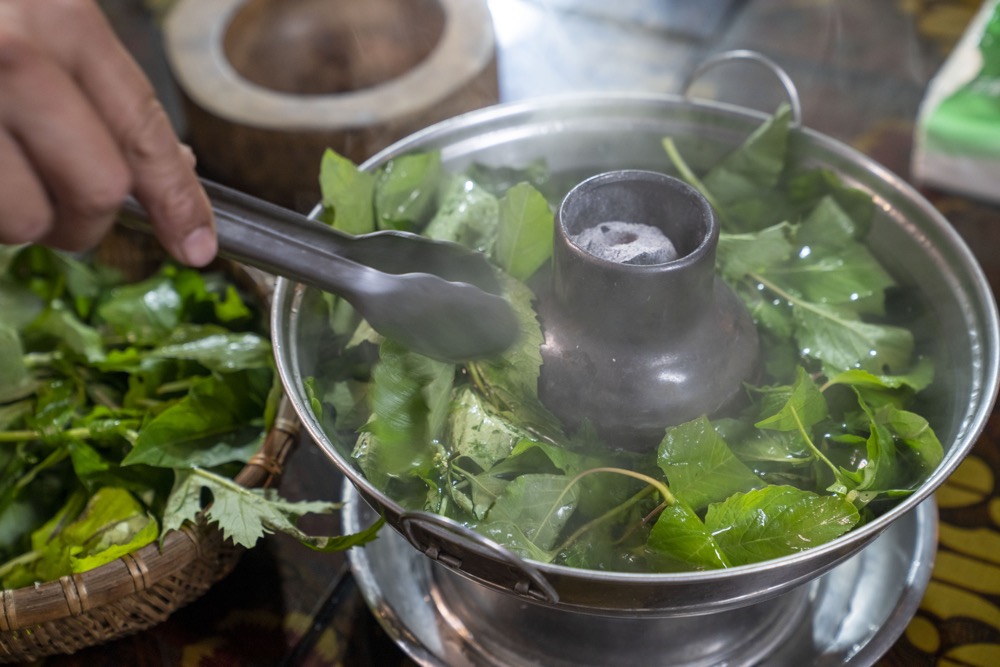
477,556
752,56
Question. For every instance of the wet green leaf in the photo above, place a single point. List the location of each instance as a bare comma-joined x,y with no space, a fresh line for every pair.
406,190
700,466
468,215
791,408
680,535
347,195
222,352
15,380
409,399
246,515
842,341
754,168
777,521
524,235
217,422
740,254
539,505
142,312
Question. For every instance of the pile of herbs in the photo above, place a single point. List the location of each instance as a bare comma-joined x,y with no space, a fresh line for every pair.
125,410
822,443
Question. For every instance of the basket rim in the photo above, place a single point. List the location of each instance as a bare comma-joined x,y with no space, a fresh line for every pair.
75,594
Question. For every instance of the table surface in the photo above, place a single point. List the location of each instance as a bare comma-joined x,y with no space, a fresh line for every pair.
861,69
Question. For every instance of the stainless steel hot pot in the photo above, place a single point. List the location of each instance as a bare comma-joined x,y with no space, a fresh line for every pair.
580,136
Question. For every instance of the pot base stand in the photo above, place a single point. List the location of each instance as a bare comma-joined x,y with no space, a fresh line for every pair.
849,616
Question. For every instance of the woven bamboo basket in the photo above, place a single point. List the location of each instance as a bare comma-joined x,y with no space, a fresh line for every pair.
143,588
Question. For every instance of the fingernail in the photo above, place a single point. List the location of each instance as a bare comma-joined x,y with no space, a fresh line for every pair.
199,247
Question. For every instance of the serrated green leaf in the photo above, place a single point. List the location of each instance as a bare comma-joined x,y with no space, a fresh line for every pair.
217,422
842,341
409,398
511,535
112,524
18,304
681,536
56,404
831,267
740,254
510,381
59,323
915,433
806,189
918,378
777,521
474,432
142,312
245,515
15,380
753,168
699,465
539,505
795,407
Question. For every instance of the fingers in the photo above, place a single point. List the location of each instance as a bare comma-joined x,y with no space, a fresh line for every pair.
57,148
62,138
157,169
162,174
25,212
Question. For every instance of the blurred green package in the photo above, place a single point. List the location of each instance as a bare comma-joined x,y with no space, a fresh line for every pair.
957,140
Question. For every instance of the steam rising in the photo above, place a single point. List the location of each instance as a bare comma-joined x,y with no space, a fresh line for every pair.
626,243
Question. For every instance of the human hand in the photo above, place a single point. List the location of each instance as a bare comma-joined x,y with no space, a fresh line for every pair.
80,128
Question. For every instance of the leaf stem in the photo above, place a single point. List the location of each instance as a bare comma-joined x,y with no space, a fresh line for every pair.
470,479
36,359
805,436
177,386
665,493
787,296
53,458
221,480
688,175
23,559
796,301
27,435
655,483
476,377
610,514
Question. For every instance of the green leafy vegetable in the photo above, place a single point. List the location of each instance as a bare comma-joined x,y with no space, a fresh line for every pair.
469,215
110,525
825,431
679,534
700,466
347,195
777,521
406,191
123,408
524,233
245,515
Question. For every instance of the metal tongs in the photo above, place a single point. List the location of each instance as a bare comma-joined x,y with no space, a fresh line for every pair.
436,298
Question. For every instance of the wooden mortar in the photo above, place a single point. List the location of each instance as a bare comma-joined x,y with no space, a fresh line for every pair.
268,85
